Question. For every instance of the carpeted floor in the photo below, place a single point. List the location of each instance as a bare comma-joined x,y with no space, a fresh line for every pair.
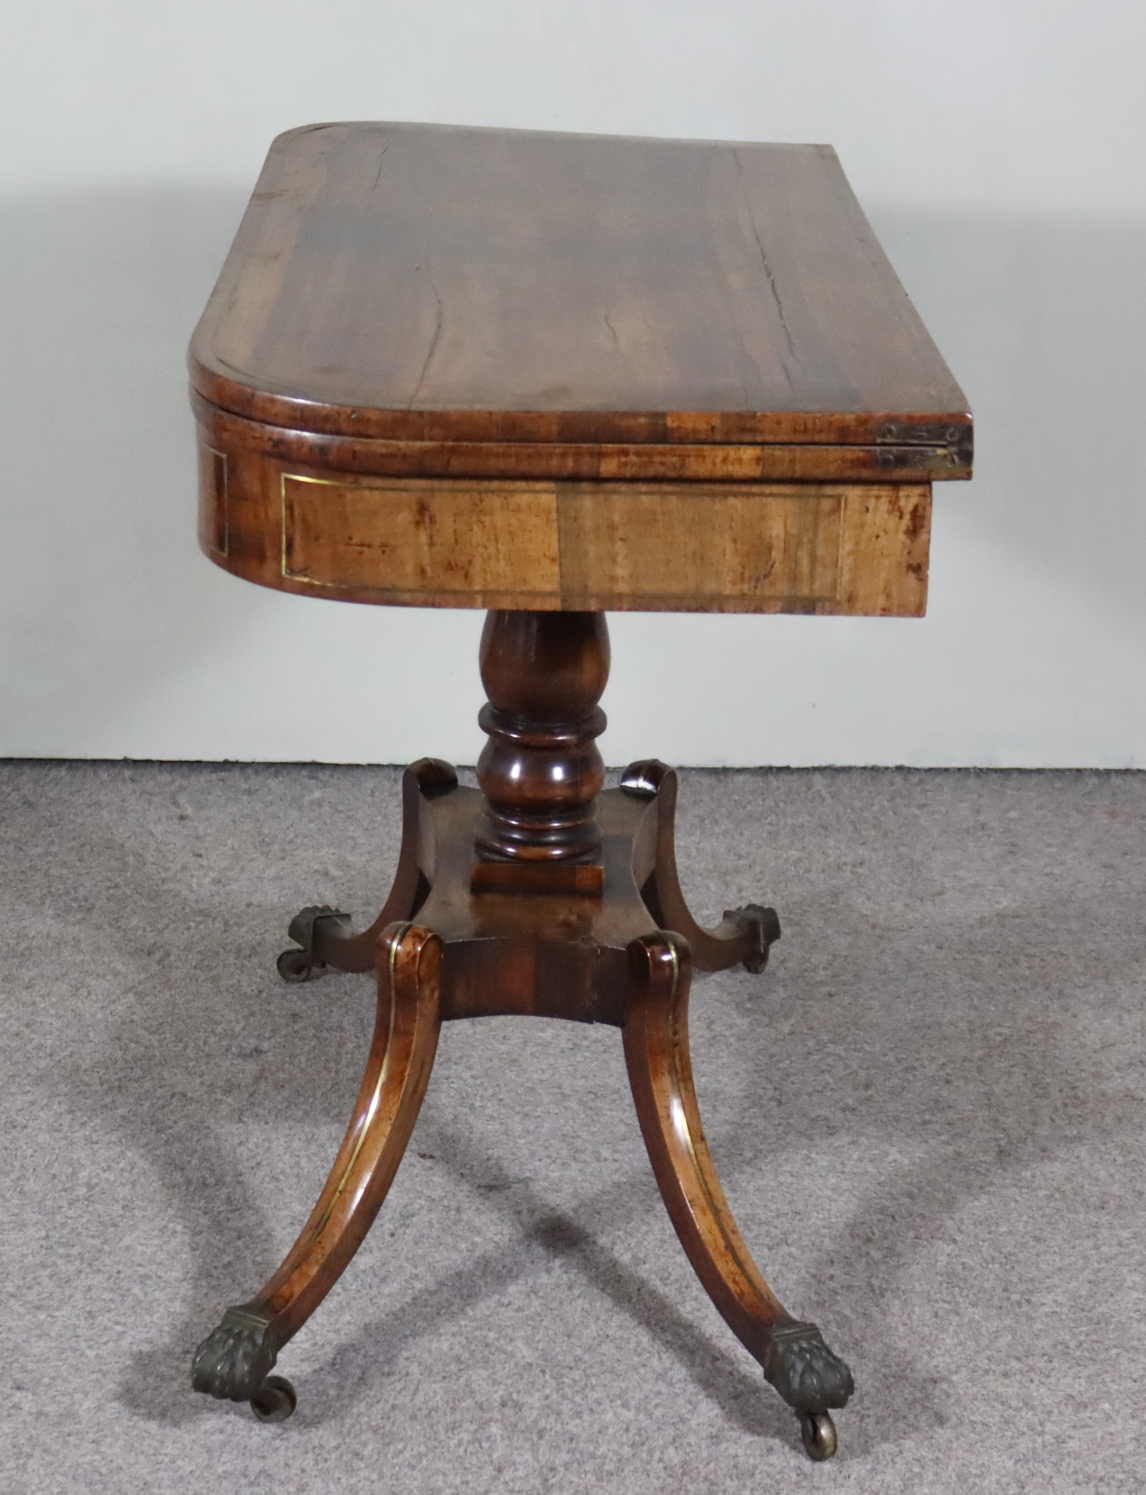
928,1114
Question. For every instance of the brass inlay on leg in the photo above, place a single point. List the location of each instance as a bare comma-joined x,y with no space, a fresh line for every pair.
375,1098
683,1129
214,516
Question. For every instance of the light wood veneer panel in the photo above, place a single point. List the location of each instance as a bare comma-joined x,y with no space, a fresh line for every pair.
705,544
746,547
434,536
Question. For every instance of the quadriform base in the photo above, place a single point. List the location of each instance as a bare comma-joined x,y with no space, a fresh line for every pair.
537,894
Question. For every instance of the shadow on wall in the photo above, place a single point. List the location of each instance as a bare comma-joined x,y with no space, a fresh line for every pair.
105,591
107,603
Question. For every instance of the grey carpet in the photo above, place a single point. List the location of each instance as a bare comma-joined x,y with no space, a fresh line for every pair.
928,1115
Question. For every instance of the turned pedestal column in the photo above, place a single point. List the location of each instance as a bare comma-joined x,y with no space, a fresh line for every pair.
541,770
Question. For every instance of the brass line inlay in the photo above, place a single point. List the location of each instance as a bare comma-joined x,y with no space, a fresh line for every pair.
415,495
812,565
296,477
376,1096
749,1274
220,488
845,514
611,542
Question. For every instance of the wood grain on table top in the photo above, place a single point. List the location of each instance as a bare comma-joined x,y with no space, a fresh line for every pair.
437,283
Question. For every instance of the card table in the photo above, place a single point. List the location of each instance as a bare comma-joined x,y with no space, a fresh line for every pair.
550,376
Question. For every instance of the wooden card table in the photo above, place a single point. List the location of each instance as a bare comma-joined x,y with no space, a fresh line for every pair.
548,375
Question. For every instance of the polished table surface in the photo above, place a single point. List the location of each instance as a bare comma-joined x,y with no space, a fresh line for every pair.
549,375
496,368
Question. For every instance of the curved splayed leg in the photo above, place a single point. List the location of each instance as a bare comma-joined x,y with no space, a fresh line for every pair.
235,1360
323,935
795,1359
744,935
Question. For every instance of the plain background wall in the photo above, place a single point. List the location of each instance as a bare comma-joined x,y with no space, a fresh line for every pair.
998,146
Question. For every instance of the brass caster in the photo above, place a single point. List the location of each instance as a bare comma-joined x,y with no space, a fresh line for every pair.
819,1434
274,1399
765,926
303,964
297,965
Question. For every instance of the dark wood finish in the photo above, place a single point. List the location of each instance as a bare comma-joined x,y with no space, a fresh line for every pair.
459,953
397,1072
737,938
550,375
234,1360
434,885
541,770
431,283
892,459
793,1354
660,1071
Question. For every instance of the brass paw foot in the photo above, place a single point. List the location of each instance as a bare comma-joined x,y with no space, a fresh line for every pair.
763,926
811,1379
234,1359
304,963
804,1371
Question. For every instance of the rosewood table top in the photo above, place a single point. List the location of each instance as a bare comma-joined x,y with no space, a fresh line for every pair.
568,371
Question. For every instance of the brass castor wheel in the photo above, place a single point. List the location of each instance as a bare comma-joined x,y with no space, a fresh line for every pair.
819,1434
274,1399
297,965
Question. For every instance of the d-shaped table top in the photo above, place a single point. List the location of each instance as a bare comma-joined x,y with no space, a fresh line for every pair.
501,368
428,282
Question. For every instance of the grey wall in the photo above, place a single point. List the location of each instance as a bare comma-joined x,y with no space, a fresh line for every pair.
998,151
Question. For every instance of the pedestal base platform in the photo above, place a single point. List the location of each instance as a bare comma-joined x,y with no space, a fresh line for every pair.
447,946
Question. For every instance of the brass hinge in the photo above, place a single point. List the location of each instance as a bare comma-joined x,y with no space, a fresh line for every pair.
943,446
